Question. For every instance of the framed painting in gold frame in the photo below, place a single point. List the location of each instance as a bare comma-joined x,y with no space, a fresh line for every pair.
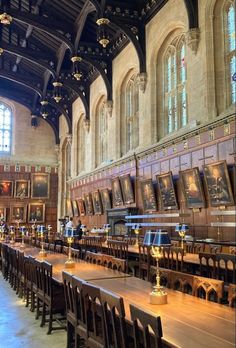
97,204
40,185
106,199
117,199
6,189
148,195
218,184
3,213
192,188
81,207
88,204
127,189
166,191
22,189
36,213
18,212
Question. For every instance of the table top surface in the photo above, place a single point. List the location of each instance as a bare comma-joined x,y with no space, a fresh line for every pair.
82,269
187,321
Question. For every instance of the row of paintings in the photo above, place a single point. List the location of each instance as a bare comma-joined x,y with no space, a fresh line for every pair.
18,213
39,185
216,178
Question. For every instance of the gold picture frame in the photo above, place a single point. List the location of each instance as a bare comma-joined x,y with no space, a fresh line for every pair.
192,188
117,199
88,204
219,191
106,199
22,189
6,188
127,189
3,213
75,208
148,195
18,212
166,191
97,204
36,213
40,185
81,207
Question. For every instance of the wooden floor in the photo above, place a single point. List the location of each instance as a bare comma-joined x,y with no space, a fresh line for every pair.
18,327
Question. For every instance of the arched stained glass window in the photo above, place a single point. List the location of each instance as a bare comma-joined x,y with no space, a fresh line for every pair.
5,129
230,51
175,86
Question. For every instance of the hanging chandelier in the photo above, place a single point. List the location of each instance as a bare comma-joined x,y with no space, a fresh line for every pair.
76,71
102,33
1,51
57,95
5,19
44,111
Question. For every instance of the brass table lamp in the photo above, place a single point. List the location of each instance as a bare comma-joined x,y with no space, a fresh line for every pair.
42,230
70,234
157,240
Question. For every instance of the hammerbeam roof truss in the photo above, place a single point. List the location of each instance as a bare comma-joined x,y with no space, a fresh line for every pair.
45,34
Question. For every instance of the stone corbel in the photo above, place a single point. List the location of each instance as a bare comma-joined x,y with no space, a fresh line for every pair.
109,107
142,81
87,124
57,150
193,38
69,138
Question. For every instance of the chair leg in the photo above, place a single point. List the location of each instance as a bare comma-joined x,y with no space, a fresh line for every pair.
43,315
50,322
37,309
70,332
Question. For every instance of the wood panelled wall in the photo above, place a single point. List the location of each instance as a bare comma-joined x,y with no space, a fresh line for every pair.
207,145
50,204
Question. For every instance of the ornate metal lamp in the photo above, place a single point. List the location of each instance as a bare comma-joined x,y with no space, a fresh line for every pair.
76,72
137,230
12,234
69,234
182,229
5,19
22,230
57,95
107,229
102,33
157,240
44,111
42,230
1,51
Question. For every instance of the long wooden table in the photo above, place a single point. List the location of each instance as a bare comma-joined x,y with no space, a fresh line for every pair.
82,269
187,320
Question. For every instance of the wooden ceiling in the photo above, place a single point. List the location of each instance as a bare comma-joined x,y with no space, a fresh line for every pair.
43,36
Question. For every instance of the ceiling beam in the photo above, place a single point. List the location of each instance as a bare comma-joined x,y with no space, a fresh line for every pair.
81,19
192,10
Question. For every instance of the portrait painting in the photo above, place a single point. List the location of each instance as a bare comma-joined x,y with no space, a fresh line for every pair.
88,204
75,208
117,199
106,200
36,213
218,184
81,207
3,214
69,207
127,189
97,204
166,191
148,196
22,189
18,212
40,185
192,188
6,189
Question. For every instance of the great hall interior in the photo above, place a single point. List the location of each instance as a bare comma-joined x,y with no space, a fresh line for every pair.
117,173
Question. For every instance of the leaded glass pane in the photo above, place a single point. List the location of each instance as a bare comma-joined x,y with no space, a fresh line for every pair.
233,78
231,28
5,129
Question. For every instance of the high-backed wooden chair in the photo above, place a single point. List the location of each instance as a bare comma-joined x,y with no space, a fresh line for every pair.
70,307
207,265
117,249
215,248
94,316
145,259
143,337
20,275
198,248
182,282
232,250
176,258
117,264
175,243
65,250
58,248
96,258
189,247
114,317
53,299
81,327
210,289
226,267
52,246
232,295
75,253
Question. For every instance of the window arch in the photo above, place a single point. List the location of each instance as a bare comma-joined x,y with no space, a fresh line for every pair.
80,146
101,132
175,95
230,52
5,129
129,114
224,54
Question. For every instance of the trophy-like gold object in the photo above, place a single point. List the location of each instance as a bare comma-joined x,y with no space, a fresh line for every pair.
42,252
69,234
12,234
137,230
